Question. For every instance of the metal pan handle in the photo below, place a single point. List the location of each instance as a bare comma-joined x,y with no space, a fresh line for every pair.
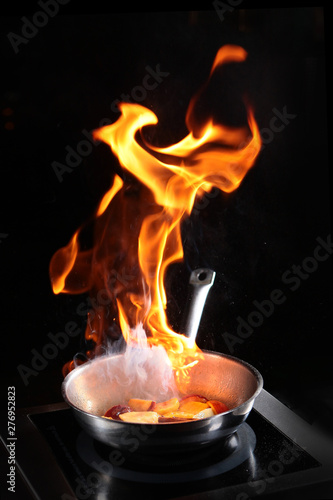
201,280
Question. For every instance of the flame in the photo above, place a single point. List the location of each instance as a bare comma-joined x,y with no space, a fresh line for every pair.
107,198
141,233
62,264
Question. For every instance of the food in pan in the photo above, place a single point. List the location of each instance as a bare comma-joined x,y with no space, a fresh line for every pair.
192,407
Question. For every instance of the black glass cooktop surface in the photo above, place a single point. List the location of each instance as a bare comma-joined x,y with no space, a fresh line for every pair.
256,457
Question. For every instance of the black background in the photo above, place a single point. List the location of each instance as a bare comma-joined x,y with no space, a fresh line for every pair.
65,79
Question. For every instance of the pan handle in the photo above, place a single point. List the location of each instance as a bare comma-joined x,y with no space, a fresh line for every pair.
201,280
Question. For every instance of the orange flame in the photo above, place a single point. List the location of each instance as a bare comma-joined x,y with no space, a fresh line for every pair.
63,261
170,179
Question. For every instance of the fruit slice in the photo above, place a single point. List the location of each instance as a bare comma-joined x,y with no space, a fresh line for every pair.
167,406
165,420
176,416
193,407
208,412
141,417
217,406
141,404
179,414
115,411
194,397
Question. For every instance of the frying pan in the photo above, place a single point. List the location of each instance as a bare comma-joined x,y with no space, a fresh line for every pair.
91,389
